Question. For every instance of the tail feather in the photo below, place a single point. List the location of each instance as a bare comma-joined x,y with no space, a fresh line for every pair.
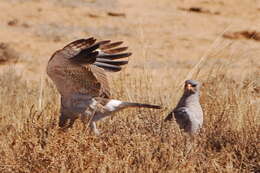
116,105
130,104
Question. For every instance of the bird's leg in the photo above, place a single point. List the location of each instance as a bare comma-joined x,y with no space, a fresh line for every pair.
90,112
63,120
93,127
72,120
91,123
86,121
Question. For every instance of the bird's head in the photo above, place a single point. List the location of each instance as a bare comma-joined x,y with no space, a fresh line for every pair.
191,86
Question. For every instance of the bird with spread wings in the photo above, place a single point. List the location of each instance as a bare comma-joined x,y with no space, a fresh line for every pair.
79,74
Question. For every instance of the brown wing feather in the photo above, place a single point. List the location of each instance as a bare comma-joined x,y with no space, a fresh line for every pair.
80,66
101,77
75,47
71,77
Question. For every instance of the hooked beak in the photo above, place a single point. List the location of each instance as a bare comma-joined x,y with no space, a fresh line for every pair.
190,88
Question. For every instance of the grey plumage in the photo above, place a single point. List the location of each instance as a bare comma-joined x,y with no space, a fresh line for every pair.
188,112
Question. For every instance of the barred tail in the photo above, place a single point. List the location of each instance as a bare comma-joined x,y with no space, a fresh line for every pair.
130,104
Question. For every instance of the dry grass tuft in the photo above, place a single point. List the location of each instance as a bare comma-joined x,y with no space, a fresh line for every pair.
134,140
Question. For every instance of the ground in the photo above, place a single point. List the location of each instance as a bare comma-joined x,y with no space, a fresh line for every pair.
214,41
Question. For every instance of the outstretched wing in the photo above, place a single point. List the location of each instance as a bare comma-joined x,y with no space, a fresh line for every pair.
80,67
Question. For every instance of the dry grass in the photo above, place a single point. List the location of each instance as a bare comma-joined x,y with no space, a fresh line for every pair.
7,54
133,140
166,43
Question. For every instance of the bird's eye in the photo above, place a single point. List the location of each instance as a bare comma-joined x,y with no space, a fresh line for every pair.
193,85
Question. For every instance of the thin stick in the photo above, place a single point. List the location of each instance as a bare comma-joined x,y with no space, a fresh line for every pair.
41,93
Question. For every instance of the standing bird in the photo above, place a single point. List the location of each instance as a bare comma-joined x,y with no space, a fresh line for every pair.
188,112
78,71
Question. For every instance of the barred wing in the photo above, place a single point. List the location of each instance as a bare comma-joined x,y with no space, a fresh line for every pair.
80,66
